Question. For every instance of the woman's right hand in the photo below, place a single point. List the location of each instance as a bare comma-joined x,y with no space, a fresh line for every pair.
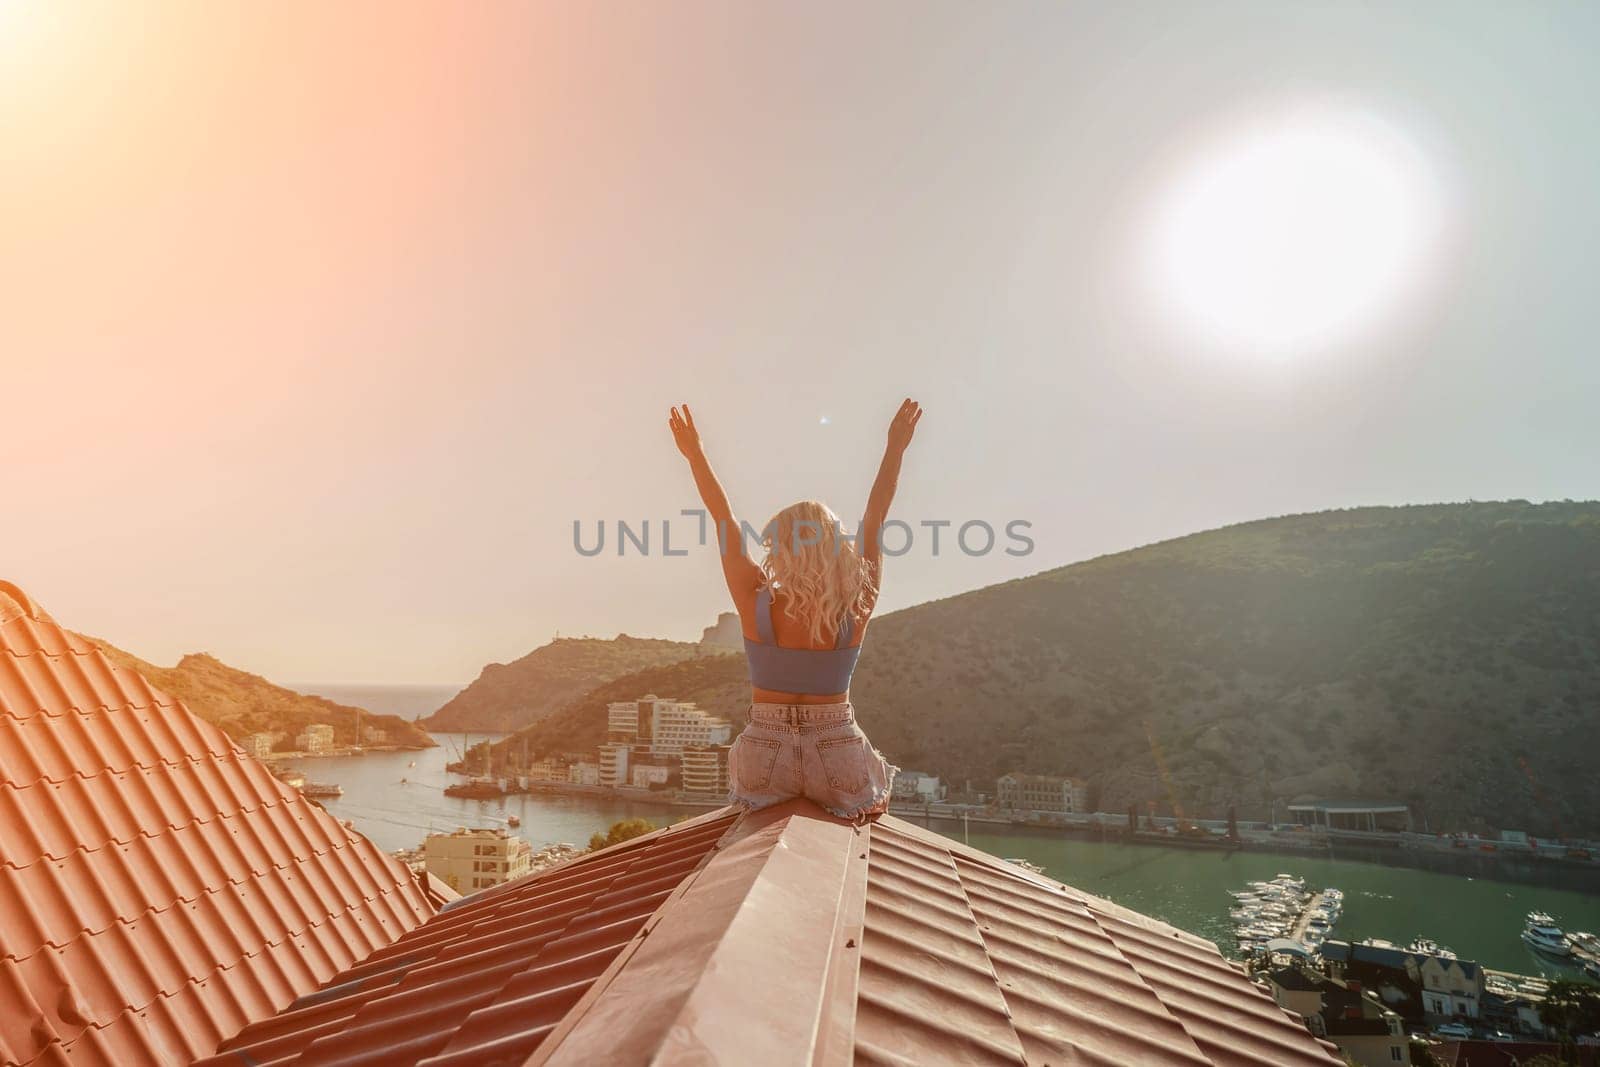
684,432
904,424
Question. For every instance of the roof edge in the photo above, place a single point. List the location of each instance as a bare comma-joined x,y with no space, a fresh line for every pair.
711,946
15,604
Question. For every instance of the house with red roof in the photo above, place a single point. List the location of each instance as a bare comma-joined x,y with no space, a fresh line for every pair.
163,900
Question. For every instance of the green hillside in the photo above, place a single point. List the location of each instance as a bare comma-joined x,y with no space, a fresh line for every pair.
1445,655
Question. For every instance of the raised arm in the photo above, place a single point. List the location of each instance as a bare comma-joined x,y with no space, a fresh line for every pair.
741,572
901,430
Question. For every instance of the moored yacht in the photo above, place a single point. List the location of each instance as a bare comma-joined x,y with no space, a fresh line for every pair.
1543,935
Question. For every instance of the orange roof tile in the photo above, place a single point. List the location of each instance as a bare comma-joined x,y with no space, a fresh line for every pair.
786,936
158,888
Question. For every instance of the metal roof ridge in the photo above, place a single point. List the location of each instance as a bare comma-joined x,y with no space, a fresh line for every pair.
737,942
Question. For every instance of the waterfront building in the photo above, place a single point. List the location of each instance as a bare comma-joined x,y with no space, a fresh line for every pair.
614,763
318,737
634,719
1388,970
469,860
915,787
1040,792
1451,988
646,775
584,772
548,769
373,735
260,745
622,719
705,770
1342,1012
677,725
1369,815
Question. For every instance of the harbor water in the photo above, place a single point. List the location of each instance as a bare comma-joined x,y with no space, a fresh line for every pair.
397,804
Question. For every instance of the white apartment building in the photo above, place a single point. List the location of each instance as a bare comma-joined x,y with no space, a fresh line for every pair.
676,726
633,719
918,788
260,745
705,770
646,775
584,772
469,860
622,719
614,763
318,737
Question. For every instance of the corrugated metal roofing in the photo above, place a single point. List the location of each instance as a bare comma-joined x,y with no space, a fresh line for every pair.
158,888
786,936
491,976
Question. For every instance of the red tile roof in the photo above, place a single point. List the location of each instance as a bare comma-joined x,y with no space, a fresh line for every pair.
786,936
158,888
492,974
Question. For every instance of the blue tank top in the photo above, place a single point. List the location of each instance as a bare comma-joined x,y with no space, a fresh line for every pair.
798,670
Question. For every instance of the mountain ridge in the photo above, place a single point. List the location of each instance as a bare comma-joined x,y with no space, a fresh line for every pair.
1447,655
242,703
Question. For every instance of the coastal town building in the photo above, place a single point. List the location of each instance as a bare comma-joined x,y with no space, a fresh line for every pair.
316,738
622,719
1367,815
614,763
1040,792
677,725
260,745
1352,1018
647,775
373,735
916,787
1451,988
469,860
1423,987
548,769
705,770
584,772
634,719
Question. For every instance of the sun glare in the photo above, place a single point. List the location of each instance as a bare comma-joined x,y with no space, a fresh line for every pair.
1294,233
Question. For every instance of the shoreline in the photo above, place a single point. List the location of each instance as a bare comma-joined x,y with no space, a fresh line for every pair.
1504,866
1516,868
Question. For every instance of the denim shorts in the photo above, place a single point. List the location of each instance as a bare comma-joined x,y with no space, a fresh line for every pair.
809,750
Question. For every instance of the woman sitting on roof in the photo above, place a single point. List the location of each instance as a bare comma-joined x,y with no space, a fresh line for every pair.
802,739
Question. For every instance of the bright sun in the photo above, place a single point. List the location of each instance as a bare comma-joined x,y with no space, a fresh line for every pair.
1295,232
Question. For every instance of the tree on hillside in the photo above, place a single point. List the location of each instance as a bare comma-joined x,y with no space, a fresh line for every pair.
624,830
1571,1009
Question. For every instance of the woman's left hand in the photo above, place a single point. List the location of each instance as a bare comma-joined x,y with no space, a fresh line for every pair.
684,431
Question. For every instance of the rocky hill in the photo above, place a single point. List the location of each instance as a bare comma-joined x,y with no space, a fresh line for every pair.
507,696
243,703
717,683
1444,655
724,633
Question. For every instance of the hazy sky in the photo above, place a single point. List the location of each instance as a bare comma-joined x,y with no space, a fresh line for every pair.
322,323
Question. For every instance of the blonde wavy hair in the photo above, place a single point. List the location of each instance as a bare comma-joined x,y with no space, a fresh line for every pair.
820,574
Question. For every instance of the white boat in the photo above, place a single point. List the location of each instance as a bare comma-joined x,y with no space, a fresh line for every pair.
1543,935
1424,946
1027,865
